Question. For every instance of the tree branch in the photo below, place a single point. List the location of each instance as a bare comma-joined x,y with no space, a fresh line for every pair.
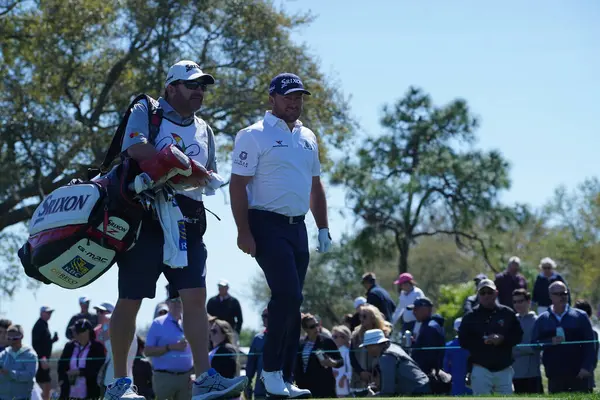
458,234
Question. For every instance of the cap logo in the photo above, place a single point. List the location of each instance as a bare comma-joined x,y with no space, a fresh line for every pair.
290,81
190,67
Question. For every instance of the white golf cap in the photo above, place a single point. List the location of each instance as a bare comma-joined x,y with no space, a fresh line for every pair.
106,306
186,70
223,283
374,336
84,299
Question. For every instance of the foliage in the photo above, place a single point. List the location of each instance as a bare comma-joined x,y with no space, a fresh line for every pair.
450,304
69,68
246,337
423,177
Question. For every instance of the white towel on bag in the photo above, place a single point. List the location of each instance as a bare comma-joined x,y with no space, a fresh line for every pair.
173,226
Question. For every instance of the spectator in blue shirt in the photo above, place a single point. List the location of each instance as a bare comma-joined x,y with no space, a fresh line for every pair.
455,363
586,307
254,364
170,353
568,365
429,335
378,296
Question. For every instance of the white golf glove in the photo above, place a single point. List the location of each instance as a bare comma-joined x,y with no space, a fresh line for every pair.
324,240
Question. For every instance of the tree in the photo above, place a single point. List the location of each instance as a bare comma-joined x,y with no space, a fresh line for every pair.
422,177
70,68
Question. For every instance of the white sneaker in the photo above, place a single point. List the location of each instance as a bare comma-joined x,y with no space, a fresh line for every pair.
296,392
122,388
274,385
211,385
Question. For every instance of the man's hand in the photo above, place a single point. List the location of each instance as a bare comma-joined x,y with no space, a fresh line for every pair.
342,382
3,371
583,373
558,339
55,337
324,240
179,346
327,362
246,243
494,339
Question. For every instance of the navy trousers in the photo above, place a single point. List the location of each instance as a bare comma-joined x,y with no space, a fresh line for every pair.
282,253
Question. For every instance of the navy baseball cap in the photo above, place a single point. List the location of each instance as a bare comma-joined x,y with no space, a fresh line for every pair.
286,83
420,302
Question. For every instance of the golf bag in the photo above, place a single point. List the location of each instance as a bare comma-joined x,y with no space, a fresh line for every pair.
78,230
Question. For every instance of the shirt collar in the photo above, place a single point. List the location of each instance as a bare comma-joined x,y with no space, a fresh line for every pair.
273,120
559,315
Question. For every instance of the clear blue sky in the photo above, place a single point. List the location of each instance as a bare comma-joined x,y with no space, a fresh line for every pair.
530,70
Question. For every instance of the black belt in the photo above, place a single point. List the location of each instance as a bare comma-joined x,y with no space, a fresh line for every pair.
164,371
278,217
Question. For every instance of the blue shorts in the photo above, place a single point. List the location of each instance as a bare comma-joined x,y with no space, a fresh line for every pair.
140,267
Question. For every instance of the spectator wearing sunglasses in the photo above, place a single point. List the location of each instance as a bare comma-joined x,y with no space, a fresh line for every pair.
547,276
489,333
254,364
18,365
316,358
80,363
567,341
223,357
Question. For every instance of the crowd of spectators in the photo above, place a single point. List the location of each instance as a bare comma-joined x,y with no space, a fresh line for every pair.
382,348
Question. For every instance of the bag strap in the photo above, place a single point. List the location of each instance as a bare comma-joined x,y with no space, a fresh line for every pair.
210,144
155,114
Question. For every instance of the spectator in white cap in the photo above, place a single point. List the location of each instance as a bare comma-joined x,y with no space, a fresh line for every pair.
101,329
42,341
508,281
359,302
84,313
399,373
409,292
548,275
456,362
226,307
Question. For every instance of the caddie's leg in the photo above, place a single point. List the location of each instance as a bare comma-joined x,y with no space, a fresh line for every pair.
139,269
190,282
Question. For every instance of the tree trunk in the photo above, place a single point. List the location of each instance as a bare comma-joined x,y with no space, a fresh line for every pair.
403,247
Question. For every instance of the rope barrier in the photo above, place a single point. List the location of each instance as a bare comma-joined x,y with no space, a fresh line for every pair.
175,355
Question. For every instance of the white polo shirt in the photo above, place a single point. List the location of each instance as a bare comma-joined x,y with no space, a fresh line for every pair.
281,162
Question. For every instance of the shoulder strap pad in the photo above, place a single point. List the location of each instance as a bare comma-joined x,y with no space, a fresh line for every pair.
154,121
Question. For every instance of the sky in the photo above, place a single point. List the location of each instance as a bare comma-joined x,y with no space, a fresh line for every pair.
529,70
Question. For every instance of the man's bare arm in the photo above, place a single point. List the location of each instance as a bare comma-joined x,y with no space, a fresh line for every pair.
239,201
142,151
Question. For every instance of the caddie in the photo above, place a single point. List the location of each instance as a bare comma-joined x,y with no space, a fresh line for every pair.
140,268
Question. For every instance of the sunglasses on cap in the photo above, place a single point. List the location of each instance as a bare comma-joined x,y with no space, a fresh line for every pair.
192,85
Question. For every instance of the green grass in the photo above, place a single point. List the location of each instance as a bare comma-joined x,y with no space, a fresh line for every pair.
547,396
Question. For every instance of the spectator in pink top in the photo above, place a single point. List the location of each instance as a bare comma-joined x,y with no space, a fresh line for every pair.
80,363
